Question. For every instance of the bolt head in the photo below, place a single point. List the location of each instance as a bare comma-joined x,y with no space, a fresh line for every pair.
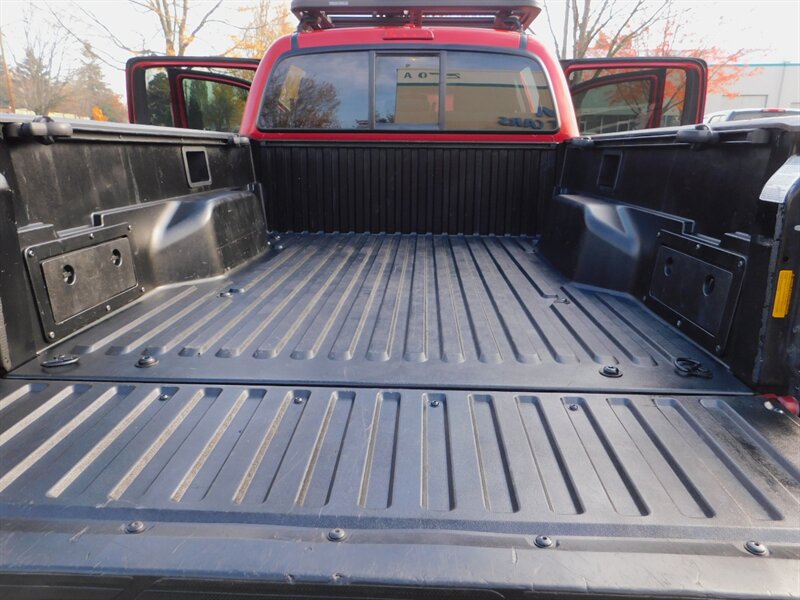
163,397
610,371
434,403
142,289
51,334
134,527
757,548
297,399
31,253
146,361
337,534
91,236
542,541
573,407
130,227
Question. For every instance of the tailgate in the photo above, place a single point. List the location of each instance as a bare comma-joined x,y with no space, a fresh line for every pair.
154,488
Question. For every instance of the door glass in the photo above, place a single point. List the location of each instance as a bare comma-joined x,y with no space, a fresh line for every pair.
613,100
159,103
674,104
406,90
493,92
213,105
322,91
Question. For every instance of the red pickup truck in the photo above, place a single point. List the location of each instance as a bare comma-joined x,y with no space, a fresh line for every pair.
501,81
406,309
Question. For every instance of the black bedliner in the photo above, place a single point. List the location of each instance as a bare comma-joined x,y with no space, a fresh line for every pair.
416,311
239,482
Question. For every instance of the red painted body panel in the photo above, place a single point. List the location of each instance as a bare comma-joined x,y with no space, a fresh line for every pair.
442,36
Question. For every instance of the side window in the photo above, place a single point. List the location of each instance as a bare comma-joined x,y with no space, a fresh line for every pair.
327,91
493,92
213,105
406,90
608,105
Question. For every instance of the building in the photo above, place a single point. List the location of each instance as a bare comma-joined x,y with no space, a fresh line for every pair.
771,85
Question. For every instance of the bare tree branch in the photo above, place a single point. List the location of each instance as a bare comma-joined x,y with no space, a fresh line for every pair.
204,20
552,31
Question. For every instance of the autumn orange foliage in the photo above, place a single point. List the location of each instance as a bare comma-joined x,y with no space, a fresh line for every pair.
97,114
267,21
722,70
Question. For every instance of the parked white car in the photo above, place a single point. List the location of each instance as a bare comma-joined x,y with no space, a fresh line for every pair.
745,114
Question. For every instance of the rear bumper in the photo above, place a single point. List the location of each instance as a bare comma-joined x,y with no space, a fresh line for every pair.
98,560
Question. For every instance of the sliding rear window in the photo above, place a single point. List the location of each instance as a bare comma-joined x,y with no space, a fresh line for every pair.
369,90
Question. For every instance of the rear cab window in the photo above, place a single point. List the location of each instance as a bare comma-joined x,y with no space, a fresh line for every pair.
384,90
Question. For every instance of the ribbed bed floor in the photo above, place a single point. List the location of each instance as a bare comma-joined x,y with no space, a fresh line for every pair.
391,311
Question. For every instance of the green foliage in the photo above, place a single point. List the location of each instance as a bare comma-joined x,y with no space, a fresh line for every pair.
89,95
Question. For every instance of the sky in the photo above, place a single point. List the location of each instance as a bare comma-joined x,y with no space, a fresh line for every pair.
770,28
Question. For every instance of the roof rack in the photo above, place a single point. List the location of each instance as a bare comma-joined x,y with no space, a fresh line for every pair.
492,14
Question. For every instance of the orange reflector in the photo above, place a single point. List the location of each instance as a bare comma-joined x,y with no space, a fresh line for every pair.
783,294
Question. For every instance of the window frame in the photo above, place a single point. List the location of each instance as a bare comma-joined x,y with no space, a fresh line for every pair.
405,50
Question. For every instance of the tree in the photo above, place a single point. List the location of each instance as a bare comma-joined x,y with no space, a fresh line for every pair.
619,22
7,99
669,39
40,79
87,93
177,20
173,17
97,114
267,21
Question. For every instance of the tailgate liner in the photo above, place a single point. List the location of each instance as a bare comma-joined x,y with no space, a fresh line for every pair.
392,310
640,495
486,461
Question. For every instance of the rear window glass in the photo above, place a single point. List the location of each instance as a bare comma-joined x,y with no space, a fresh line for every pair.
406,90
482,92
497,92
329,91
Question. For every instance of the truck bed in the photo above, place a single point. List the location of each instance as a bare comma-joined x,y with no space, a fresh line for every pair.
411,311
226,480
437,398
